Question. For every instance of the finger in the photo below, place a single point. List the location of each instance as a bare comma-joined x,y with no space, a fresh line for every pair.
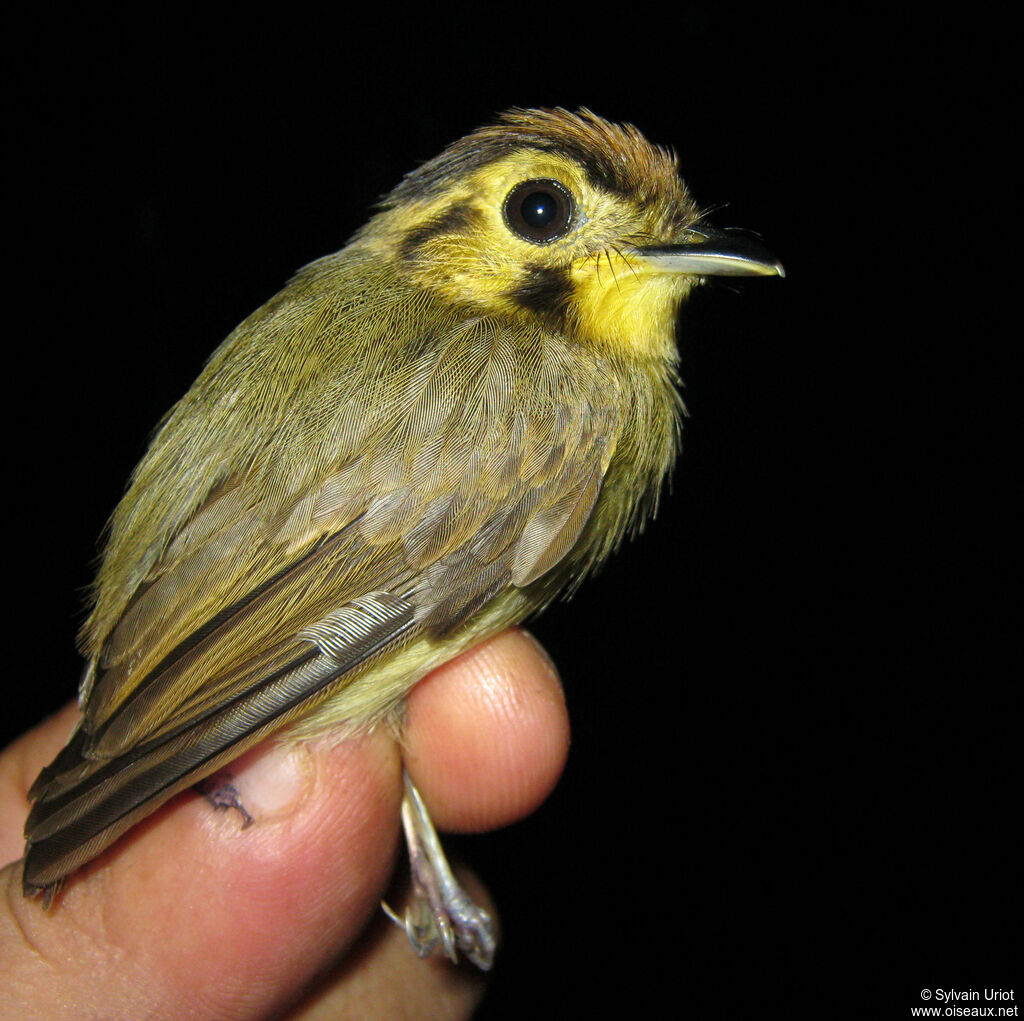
488,734
20,764
383,979
191,914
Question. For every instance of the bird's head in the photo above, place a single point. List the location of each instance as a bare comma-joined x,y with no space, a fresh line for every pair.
565,217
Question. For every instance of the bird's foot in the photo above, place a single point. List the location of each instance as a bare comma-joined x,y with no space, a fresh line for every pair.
442,913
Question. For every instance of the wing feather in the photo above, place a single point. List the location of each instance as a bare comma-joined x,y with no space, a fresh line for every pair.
441,470
519,496
69,824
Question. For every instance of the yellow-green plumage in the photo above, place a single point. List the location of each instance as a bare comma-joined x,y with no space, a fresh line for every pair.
422,439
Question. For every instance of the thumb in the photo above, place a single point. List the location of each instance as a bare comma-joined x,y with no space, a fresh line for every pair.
188,913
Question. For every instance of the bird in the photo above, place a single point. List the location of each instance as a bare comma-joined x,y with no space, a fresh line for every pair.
422,440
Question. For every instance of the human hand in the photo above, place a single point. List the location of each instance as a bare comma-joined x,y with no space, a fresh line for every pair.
190,915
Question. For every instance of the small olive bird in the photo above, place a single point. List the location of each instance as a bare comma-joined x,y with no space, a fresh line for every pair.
423,439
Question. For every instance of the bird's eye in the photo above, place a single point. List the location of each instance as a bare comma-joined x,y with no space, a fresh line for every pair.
540,211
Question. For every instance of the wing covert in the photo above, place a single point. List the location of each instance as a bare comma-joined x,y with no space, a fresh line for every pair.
480,475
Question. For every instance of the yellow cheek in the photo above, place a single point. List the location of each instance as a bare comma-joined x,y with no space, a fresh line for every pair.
628,308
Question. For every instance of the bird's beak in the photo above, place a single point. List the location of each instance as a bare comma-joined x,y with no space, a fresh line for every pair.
706,251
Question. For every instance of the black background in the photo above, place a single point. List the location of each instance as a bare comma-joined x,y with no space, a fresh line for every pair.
790,785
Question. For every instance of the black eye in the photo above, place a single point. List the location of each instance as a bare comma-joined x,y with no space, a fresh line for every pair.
539,211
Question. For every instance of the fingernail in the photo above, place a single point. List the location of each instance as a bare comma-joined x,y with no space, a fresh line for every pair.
272,780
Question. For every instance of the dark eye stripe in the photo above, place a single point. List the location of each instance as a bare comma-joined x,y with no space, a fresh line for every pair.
456,219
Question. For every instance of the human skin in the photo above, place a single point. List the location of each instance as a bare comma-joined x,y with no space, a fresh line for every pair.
190,915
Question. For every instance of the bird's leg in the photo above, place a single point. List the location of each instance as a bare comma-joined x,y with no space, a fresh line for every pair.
441,912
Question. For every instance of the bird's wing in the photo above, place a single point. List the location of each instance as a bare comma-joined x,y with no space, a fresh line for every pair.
484,480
